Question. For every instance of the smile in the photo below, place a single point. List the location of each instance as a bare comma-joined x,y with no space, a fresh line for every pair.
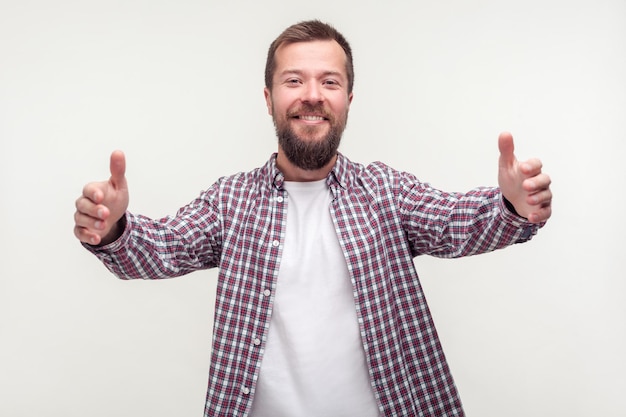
311,118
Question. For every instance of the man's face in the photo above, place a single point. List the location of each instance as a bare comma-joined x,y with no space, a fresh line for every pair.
309,101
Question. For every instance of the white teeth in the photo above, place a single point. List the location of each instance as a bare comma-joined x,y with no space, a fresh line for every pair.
311,118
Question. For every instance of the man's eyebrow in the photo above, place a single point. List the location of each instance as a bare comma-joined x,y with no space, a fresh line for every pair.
291,72
301,72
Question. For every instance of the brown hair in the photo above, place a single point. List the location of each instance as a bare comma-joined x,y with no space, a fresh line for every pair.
311,30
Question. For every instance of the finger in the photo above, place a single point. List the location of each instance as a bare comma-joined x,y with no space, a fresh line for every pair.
118,167
531,167
92,223
541,198
84,235
94,192
540,215
507,148
537,183
87,207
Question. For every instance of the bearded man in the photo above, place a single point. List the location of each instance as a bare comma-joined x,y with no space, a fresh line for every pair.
319,309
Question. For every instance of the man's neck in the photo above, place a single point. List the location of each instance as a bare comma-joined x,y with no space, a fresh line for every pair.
295,173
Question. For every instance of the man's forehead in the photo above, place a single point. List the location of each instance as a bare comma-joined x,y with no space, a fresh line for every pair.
290,56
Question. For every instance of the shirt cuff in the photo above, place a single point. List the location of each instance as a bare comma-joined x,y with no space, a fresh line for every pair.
116,244
526,229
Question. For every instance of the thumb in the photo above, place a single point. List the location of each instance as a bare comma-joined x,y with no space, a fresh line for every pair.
118,168
506,146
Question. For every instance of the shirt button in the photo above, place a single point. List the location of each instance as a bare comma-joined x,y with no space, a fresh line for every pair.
245,390
257,341
279,199
275,243
267,293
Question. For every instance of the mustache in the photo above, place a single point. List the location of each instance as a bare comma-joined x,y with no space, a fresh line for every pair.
310,108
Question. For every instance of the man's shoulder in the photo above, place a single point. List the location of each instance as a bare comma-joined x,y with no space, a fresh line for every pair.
375,172
262,176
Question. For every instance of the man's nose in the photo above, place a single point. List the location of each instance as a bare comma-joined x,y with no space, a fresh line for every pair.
313,93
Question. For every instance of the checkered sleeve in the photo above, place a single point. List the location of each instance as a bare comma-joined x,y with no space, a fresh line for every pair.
451,225
167,247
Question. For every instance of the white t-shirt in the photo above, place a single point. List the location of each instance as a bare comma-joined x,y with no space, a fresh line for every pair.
314,363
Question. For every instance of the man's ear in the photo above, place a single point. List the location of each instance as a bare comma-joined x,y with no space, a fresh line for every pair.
268,100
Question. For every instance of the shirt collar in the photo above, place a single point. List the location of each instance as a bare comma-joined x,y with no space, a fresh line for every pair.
339,173
337,176
277,178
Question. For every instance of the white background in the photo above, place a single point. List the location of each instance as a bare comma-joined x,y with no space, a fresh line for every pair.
534,330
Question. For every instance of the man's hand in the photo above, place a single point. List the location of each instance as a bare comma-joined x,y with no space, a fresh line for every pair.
523,184
102,205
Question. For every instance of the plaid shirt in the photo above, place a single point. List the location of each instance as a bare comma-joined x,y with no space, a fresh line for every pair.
383,219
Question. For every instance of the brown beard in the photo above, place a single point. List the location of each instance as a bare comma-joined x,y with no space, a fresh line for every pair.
311,154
